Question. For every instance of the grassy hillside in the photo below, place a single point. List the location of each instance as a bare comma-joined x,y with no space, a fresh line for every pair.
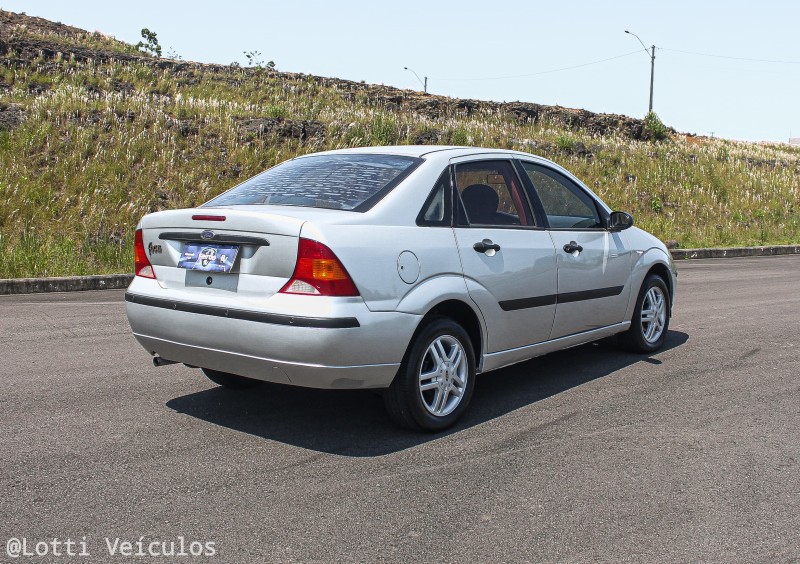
93,135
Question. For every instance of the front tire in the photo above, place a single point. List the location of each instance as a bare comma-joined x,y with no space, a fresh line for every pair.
227,380
436,379
650,317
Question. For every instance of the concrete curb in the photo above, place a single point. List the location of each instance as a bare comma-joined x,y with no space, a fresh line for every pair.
65,284
118,281
735,252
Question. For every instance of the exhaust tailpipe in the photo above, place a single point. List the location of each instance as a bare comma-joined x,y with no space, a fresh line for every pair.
161,361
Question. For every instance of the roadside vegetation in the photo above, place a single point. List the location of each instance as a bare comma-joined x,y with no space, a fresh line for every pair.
89,145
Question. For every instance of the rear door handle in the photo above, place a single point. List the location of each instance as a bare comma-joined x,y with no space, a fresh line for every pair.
571,247
486,245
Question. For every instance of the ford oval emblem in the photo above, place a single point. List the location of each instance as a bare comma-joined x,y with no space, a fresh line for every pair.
207,234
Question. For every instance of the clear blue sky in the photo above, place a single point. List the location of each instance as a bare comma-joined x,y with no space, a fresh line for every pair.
468,49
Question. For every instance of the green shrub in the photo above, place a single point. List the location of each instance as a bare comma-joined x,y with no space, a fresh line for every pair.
654,129
566,142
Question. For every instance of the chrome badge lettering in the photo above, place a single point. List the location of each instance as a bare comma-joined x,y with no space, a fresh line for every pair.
154,249
207,234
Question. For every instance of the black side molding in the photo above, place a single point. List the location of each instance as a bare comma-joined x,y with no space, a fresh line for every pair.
525,303
217,238
258,317
566,297
589,294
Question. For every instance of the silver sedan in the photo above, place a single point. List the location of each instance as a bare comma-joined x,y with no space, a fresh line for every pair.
406,269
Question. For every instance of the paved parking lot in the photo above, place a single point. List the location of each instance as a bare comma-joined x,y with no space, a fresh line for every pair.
589,454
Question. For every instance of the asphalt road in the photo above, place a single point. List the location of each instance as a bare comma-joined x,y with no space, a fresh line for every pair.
692,454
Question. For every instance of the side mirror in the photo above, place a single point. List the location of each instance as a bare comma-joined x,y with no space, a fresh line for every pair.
620,220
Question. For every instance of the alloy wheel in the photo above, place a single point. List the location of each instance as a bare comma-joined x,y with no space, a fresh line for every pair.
443,375
654,314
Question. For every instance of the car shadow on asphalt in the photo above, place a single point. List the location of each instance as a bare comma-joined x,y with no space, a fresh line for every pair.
354,423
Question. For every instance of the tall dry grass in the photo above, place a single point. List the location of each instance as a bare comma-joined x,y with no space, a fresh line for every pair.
105,143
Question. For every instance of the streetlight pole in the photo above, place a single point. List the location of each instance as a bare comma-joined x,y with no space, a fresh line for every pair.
652,54
424,84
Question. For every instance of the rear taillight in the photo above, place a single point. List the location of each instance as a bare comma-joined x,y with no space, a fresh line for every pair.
141,266
318,272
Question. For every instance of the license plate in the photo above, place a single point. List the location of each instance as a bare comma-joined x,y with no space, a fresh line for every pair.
208,257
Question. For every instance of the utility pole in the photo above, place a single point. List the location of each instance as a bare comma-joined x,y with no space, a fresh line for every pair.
652,54
652,75
424,84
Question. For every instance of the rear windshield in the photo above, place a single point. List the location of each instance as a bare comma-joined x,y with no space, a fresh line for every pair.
342,182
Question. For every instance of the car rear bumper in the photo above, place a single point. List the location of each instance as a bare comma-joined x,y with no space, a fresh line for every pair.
360,349
272,370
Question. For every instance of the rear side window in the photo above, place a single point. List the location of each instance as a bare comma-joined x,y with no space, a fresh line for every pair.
490,194
342,182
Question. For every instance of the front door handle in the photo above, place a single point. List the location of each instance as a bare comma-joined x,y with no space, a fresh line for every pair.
571,247
486,245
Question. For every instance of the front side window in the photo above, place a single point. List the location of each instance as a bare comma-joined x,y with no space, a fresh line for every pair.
564,203
344,182
490,194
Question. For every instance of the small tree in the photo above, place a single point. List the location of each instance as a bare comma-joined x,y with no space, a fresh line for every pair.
150,44
254,60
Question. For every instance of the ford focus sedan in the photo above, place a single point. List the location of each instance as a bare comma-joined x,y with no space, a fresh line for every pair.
404,269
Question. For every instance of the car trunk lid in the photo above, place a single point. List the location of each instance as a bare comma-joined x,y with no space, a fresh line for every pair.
258,249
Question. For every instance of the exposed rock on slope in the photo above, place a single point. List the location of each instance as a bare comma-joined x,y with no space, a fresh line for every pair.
11,115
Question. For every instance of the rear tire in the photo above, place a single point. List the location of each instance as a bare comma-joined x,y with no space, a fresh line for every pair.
650,320
227,380
434,385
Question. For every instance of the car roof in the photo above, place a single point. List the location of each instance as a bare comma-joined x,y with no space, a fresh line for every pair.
420,150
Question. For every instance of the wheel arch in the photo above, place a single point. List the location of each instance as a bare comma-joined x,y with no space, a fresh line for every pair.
662,270
447,296
464,315
653,261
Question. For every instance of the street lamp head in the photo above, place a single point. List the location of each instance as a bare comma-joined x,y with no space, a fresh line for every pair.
423,83
638,39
